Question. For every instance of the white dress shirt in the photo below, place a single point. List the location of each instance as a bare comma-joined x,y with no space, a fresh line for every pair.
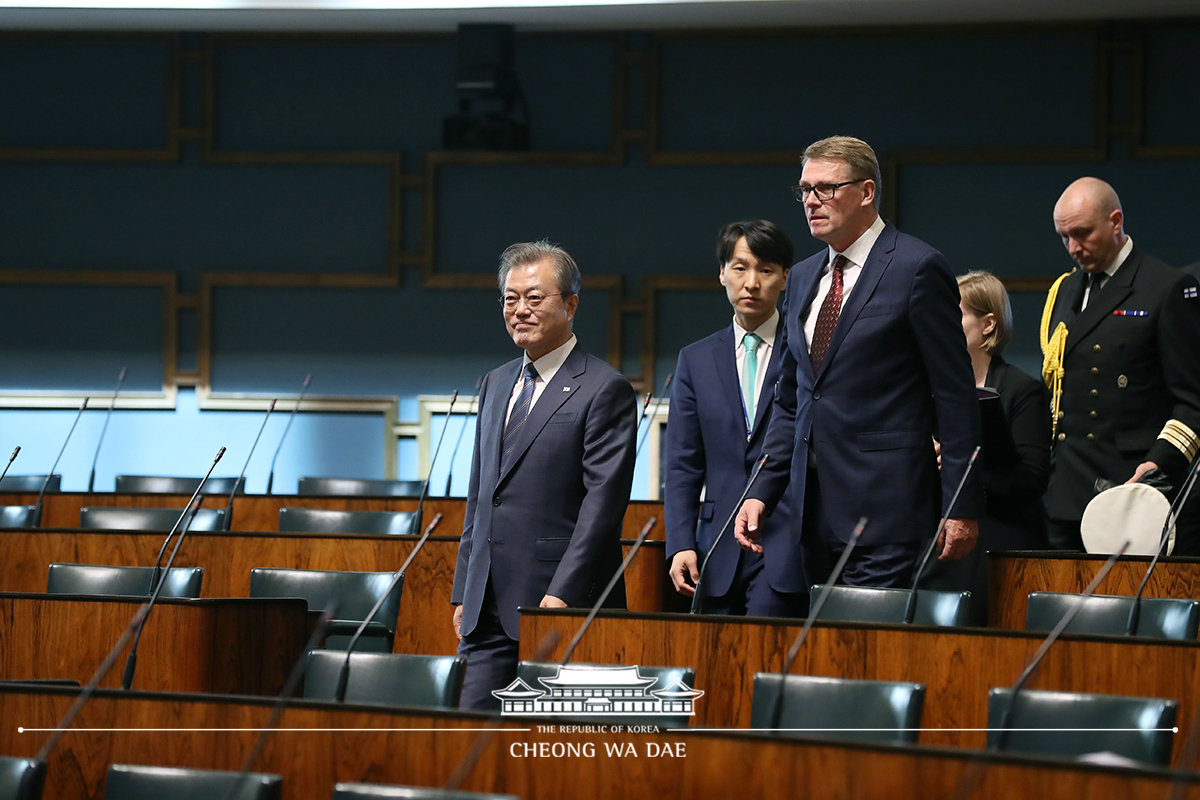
856,254
766,332
546,366
1110,270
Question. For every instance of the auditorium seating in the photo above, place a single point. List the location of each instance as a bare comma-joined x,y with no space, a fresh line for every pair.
321,520
366,791
128,581
349,594
17,516
1160,617
161,484
354,486
149,519
862,604
126,782
21,778
876,711
1138,728
29,483
386,678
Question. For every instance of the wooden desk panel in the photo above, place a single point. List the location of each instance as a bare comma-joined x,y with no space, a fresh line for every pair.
957,665
405,746
227,558
1014,575
224,646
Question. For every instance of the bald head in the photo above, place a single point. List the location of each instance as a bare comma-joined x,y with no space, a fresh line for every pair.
1088,217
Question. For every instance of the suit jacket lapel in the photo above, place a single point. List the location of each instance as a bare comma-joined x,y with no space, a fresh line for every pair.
806,291
495,409
558,390
767,396
1102,303
868,279
1070,295
725,365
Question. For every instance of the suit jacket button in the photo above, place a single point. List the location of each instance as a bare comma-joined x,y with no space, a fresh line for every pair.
1062,437
1091,437
1095,370
816,395
1095,392
496,501
1093,414
1095,348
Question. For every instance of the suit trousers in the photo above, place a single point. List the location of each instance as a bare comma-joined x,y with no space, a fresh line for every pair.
491,657
751,594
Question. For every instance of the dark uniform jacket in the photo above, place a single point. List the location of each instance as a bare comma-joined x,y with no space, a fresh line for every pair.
1131,367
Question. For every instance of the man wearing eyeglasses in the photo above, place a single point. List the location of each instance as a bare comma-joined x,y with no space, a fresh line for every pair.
876,368
550,476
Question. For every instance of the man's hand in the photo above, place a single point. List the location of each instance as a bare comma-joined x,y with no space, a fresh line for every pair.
458,621
550,601
745,528
937,449
1141,470
685,565
957,538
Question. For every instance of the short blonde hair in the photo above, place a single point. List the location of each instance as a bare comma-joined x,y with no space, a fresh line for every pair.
983,293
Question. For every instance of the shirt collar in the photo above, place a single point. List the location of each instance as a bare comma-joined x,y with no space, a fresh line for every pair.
549,364
1122,254
766,331
857,253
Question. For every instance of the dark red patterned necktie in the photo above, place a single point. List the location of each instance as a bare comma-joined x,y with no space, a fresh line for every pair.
827,317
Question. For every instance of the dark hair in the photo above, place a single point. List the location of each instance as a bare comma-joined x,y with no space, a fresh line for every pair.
765,239
566,273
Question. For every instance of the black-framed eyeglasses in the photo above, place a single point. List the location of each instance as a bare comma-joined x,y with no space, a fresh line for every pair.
532,300
823,191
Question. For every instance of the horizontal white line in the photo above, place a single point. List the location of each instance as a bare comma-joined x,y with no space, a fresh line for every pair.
931,730
260,730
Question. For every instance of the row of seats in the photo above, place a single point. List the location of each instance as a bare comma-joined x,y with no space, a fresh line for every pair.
24,778
155,484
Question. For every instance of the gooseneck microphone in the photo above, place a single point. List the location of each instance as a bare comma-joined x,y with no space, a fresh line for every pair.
814,612
910,608
37,508
236,483
339,694
159,576
112,403
471,410
1135,610
666,391
288,427
416,523
11,459
697,600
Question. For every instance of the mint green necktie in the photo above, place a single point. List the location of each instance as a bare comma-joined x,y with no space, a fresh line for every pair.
751,342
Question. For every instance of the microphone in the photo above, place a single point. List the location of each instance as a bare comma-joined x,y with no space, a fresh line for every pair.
910,608
37,509
657,405
461,431
11,459
425,485
233,491
697,601
794,650
103,430
288,427
159,577
344,674
1135,611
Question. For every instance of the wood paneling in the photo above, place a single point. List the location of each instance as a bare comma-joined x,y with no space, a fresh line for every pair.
957,665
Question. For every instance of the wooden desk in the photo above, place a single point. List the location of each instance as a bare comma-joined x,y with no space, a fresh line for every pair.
957,665
1014,575
405,746
229,646
227,558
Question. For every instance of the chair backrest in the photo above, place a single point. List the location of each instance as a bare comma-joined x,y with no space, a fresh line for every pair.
148,519
129,581
162,484
360,791
386,678
351,594
839,708
21,778
583,691
1160,617
865,604
17,516
127,782
1140,726
30,483
320,520
354,486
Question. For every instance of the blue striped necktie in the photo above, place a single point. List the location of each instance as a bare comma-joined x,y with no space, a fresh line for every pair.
520,413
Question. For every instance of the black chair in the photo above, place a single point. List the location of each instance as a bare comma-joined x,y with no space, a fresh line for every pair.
18,516
320,520
352,594
22,778
1141,726
386,678
365,791
127,581
354,486
839,708
148,519
864,604
159,484
1160,617
30,483
127,782
582,686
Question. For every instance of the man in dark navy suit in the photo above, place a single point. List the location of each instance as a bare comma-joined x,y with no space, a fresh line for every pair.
550,476
719,413
876,368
